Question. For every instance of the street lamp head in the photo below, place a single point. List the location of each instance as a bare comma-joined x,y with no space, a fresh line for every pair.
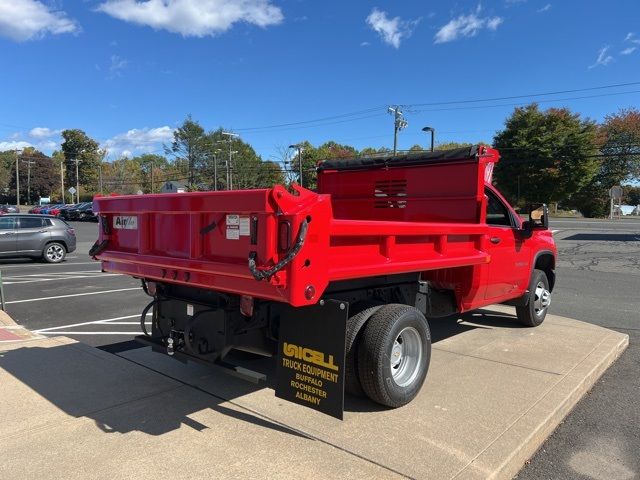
230,134
428,129
296,145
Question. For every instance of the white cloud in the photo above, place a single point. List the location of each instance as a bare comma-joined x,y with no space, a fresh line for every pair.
628,51
43,132
365,44
391,30
14,145
603,58
631,37
22,20
137,141
193,18
466,26
117,65
546,8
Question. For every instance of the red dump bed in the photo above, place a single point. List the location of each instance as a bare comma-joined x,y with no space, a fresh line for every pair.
372,217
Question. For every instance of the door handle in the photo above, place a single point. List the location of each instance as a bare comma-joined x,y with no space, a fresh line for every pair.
495,240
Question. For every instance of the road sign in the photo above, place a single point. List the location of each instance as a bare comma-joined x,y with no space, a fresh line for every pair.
615,192
72,191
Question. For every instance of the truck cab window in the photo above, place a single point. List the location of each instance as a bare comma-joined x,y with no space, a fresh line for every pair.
497,212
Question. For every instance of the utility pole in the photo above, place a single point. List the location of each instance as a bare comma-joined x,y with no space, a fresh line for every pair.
62,179
28,163
230,136
433,132
399,123
100,176
77,181
17,178
298,146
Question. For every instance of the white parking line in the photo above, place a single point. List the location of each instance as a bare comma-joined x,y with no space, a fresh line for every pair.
45,265
18,281
105,321
73,295
89,333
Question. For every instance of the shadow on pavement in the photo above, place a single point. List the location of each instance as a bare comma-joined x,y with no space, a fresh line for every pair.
605,237
83,382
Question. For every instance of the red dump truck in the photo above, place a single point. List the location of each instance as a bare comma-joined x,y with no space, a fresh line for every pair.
337,284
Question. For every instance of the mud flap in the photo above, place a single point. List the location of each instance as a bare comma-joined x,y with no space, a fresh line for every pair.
311,353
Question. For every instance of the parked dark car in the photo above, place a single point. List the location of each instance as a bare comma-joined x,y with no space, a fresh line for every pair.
73,212
36,236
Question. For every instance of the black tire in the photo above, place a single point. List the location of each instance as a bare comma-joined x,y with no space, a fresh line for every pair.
391,329
54,252
354,330
535,311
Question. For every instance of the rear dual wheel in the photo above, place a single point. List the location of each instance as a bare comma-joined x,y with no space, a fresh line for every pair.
392,354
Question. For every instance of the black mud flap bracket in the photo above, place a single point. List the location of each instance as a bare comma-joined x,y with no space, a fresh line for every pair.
311,356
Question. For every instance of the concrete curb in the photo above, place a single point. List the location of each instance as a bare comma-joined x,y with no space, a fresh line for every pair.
491,465
11,332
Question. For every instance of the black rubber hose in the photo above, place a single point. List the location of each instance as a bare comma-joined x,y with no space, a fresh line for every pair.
268,273
98,248
143,317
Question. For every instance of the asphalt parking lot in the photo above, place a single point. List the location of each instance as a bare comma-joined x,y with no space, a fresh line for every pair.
598,282
74,298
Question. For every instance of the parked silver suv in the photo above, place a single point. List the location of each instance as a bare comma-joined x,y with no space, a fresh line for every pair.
37,236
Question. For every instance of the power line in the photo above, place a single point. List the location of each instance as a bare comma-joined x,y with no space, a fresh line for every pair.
448,102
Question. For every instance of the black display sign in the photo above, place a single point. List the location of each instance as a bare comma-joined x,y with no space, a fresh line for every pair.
311,353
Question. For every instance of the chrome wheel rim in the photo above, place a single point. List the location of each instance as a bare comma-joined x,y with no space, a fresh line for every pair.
55,253
542,299
406,357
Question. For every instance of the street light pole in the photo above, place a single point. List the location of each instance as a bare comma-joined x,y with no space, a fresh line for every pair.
298,146
215,170
433,132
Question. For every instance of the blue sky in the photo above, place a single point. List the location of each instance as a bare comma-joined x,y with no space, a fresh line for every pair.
128,72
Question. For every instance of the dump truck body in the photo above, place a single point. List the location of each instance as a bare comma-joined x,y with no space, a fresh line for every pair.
275,271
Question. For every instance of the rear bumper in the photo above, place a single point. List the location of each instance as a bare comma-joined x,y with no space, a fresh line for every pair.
71,244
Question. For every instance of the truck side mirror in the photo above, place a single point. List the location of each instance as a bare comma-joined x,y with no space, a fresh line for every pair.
527,229
538,216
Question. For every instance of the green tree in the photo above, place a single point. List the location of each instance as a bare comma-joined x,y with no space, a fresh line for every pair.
80,148
152,168
7,159
619,161
191,148
311,156
37,174
547,156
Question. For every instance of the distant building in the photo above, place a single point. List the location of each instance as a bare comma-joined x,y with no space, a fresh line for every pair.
625,210
173,186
